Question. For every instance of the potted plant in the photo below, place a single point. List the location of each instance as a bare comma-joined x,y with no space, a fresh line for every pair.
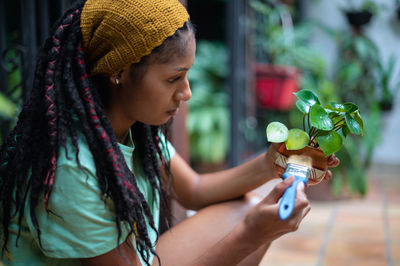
276,76
324,129
384,78
275,86
285,60
208,117
360,16
356,76
397,7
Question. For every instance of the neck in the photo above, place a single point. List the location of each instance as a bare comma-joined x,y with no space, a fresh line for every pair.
120,127
122,138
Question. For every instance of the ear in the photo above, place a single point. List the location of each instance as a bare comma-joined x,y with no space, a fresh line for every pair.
116,80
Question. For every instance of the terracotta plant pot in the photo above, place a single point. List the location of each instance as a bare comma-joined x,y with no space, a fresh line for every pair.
319,161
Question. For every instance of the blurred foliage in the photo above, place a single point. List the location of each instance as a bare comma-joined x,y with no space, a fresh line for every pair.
11,97
366,5
208,120
290,45
360,76
8,108
388,87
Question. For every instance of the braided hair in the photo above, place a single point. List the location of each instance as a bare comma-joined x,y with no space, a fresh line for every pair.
62,89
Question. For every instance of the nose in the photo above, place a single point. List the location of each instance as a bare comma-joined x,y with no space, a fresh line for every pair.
184,93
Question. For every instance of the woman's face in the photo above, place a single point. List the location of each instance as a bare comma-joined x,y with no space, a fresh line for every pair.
156,97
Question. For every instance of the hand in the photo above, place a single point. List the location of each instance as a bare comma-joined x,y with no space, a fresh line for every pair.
263,224
273,170
333,161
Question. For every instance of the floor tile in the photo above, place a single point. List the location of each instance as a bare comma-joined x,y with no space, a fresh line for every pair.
348,232
356,251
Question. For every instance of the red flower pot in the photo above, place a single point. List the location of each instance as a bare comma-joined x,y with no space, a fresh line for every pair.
319,161
275,86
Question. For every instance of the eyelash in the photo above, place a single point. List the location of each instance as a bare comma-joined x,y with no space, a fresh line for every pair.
173,79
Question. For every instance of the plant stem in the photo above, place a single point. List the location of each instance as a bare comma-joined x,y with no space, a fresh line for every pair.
336,128
341,120
312,131
313,134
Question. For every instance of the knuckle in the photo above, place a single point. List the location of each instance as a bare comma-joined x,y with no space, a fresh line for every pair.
303,202
294,227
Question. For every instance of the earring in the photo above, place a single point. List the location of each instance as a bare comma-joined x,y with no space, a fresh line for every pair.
117,81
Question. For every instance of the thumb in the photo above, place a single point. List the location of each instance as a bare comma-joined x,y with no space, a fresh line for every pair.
272,151
274,147
274,196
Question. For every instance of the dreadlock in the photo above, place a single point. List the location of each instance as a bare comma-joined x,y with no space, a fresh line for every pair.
62,89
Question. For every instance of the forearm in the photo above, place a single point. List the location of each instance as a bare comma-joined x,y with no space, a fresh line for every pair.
230,250
234,182
195,191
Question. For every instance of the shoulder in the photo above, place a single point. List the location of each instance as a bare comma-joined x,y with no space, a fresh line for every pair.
68,155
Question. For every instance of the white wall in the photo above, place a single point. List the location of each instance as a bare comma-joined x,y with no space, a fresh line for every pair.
384,30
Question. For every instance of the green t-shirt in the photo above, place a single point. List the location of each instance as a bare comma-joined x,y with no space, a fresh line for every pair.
85,226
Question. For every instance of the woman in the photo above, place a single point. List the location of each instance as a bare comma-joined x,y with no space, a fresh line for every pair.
87,166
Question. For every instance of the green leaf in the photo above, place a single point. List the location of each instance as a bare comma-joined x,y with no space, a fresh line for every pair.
330,142
302,106
359,120
345,131
353,125
337,118
336,107
350,107
308,97
342,108
7,108
320,119
297,139
277,132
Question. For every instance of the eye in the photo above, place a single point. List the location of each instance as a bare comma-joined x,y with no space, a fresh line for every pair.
172,80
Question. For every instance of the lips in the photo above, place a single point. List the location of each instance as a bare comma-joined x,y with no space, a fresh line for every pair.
173,111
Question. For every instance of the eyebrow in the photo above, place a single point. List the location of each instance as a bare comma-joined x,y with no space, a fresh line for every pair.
180,69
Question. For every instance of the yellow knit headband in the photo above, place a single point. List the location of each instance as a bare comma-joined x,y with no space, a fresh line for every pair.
118,33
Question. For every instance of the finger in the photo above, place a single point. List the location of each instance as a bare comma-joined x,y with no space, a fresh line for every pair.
301,198
306,211
328,175
272,150
274,196
274,147
279,170
333,161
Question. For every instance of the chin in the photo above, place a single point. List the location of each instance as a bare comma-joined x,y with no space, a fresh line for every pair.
158,122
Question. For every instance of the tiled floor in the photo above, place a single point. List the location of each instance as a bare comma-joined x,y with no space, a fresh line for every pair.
348,232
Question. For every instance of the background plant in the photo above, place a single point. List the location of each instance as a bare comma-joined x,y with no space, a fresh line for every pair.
11,96
208,119
359,75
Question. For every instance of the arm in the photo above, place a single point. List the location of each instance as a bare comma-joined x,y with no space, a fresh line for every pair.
196,191
113,257
258,226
